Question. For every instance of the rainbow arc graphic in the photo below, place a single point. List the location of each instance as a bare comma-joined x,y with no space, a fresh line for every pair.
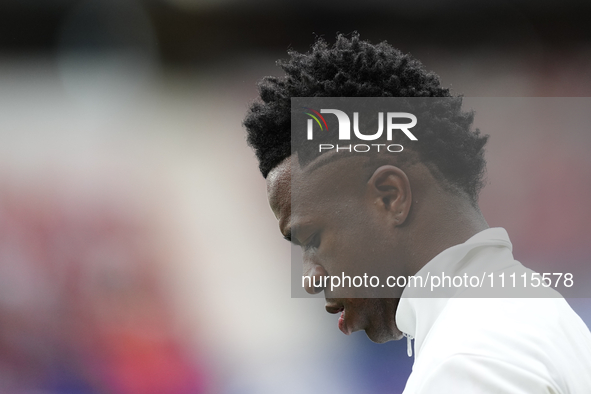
316,117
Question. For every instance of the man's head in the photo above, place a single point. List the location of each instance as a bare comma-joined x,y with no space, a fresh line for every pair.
390,212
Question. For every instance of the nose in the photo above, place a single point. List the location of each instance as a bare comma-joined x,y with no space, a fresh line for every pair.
317,280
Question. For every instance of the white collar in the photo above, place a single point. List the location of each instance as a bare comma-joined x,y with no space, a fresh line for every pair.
415,316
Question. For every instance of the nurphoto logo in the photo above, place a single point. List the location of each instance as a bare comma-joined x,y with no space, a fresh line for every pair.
344,129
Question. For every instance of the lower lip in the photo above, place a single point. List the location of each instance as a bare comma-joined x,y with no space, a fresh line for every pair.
343,324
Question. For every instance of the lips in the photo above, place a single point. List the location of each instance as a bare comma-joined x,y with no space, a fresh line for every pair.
343,324
336,307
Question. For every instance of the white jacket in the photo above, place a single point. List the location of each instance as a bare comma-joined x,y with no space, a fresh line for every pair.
493,345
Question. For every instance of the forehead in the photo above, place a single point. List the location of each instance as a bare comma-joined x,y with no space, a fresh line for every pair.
279,188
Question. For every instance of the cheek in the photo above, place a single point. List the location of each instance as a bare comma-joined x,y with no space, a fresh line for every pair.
355,242
345,251
366,249
360,253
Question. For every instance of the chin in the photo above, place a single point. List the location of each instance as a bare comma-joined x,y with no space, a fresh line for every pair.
381,336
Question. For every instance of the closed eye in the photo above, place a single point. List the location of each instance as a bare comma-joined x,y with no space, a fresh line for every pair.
313,242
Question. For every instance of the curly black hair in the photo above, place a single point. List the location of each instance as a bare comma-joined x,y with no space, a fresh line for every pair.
356,68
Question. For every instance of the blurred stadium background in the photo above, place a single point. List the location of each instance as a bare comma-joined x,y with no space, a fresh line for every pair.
137,251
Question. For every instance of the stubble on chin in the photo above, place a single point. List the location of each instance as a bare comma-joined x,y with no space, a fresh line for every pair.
380,319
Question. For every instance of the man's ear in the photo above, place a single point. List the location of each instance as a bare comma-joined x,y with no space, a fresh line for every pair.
389,189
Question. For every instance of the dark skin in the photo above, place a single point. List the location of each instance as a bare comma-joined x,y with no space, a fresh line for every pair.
348,213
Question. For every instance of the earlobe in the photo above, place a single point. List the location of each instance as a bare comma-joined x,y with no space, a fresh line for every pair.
390,189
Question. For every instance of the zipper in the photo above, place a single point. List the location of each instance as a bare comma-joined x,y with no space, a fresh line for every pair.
408,344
